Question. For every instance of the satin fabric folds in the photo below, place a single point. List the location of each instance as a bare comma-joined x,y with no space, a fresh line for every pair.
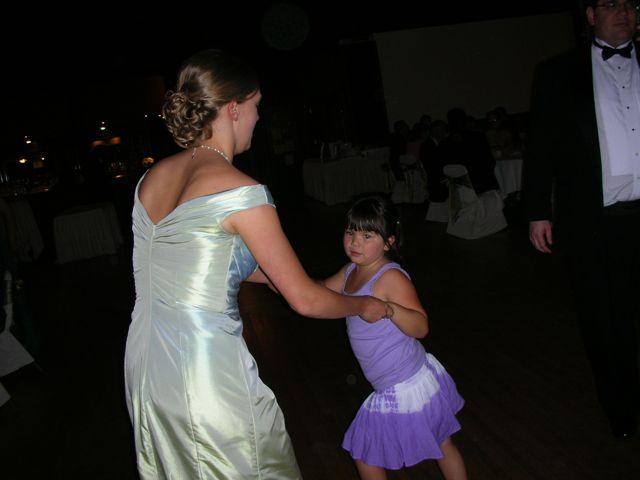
198,407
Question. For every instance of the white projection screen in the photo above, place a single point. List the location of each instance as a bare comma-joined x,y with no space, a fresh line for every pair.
476,66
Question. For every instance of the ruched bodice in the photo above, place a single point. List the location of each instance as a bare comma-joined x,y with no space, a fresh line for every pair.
198,407
189,262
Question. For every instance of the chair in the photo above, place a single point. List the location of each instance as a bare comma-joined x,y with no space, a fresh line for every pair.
438,212
13,355
25,229
4,395
471,216
413,189
86,231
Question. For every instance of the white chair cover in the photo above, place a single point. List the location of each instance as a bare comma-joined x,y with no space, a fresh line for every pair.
4,395
30,243
12,354
86,231
472,216
438,212
413,189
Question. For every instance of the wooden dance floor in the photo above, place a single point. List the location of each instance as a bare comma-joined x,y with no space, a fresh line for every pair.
501,323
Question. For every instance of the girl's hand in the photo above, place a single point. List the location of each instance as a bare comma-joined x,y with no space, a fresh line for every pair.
412,322
374,309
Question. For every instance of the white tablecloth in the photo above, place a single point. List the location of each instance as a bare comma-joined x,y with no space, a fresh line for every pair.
30,243
338,181
13,355
86,232
509,175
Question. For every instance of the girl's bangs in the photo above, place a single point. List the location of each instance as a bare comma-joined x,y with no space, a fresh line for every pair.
362,225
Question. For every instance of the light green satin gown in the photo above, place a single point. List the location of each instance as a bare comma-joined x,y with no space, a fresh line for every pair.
198,407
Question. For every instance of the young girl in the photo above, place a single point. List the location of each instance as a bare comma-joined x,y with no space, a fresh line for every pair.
410,416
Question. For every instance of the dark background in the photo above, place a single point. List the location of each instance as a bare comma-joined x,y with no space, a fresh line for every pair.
68,70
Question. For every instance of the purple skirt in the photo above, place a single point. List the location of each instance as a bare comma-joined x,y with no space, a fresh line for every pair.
406,423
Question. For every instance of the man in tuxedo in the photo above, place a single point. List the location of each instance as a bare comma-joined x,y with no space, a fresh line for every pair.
582,192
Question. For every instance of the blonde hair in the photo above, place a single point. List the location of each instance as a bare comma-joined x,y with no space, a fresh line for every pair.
207,81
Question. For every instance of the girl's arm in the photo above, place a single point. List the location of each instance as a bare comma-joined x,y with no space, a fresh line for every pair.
336,281
408,314
260,229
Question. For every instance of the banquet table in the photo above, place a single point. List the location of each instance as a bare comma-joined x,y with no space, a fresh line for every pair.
338,181
24,231
13,355
86,231
508,172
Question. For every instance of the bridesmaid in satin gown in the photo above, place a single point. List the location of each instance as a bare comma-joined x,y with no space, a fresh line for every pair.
198,407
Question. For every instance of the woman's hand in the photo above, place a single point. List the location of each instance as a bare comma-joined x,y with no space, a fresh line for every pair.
374,309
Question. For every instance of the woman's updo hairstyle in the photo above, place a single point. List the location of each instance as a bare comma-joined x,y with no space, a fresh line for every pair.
207,81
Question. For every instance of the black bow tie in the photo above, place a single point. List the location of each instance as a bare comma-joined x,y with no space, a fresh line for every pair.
608,52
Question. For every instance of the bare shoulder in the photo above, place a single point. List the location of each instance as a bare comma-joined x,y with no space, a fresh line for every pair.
391,282
395,286
212,177
191,176
393,275
183,177
161,175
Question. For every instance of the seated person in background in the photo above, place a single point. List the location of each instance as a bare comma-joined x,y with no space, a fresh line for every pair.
398,146
500,138
433,161
470,148
418,133
425,121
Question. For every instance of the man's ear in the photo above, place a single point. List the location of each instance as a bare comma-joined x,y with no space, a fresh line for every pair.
591,16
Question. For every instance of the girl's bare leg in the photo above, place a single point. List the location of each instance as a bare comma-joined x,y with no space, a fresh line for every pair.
369,472
452,464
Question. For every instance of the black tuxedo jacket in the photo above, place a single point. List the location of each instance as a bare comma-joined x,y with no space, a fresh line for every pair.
563,153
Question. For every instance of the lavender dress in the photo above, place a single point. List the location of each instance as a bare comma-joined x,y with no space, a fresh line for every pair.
412,410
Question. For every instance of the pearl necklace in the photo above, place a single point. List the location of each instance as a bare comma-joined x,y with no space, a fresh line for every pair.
219,152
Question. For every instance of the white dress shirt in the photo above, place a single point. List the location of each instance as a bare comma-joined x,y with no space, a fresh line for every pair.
616,84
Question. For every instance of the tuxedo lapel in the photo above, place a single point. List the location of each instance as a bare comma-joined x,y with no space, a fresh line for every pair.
586,110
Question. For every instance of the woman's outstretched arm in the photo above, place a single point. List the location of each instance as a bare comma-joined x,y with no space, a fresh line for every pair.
260,229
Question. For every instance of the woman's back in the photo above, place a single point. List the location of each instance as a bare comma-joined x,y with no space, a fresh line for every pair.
185,327
184,176
198,407
187,259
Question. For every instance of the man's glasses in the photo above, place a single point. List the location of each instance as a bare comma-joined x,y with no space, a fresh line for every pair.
611,6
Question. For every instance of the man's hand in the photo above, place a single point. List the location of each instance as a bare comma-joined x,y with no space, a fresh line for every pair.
540,235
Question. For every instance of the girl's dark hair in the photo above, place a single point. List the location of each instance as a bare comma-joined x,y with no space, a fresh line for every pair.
377,214
207,81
